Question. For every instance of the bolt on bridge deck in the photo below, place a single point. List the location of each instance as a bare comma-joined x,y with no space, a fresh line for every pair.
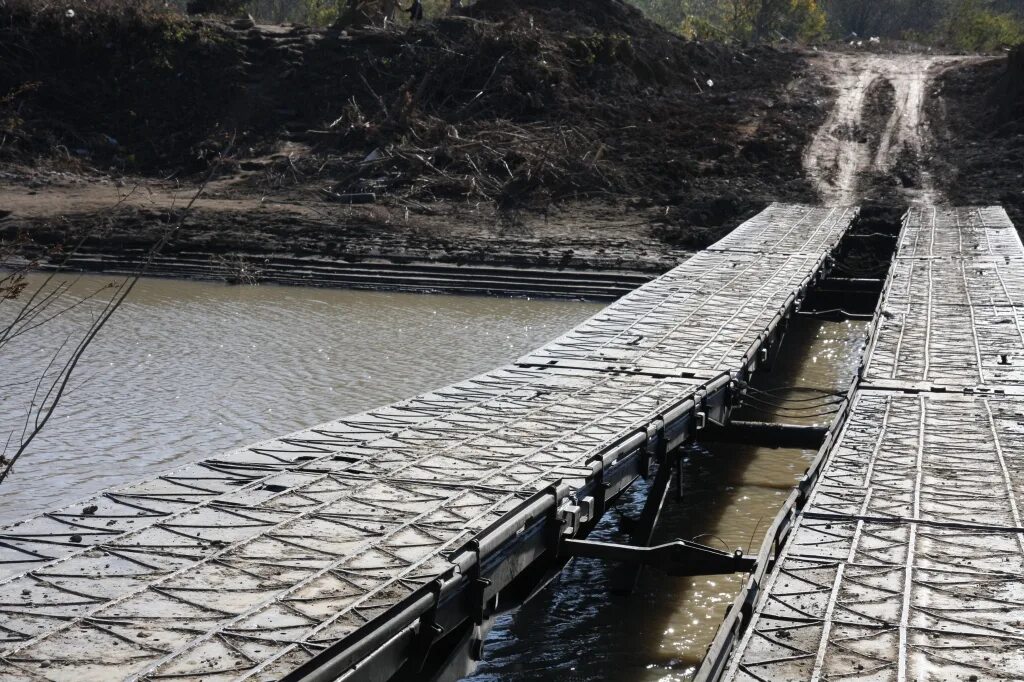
907,559
249,564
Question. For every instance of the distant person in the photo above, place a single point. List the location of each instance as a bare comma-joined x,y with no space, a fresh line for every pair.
415,11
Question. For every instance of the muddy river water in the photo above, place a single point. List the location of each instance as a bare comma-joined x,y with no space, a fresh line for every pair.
186,370
576,630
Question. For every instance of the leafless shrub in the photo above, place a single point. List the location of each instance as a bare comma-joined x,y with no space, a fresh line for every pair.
30,306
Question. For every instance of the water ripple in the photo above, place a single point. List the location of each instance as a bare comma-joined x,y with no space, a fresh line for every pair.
186,370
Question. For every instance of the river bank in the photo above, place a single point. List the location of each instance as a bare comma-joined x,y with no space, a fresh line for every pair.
978,115
557,136
588,252
562,148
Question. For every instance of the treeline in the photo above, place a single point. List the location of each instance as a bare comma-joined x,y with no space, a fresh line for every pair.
956,24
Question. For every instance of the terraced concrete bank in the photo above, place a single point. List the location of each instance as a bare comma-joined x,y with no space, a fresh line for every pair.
599,285
382,544
901,556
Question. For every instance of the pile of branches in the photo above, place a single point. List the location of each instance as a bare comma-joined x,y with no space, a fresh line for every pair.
518,103
501,162
509,111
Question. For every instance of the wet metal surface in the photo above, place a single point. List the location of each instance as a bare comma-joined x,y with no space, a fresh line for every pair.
907,561
303,538
789,229
951,315
578,629
187,370
709,314
249,563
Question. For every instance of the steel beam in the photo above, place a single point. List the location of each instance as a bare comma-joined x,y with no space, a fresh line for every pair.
767,434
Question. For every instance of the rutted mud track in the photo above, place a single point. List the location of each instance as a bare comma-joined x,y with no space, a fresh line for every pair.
851,160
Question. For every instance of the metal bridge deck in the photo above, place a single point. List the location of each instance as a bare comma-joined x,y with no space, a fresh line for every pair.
250,563
907,558
907,561
951,313
713,312
241,571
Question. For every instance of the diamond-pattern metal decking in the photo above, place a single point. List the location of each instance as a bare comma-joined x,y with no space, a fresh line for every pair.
951,315
700,320
309,553
959,282
952,346
908,562
706,315
479,403
958,443
249,563
789,229
967,232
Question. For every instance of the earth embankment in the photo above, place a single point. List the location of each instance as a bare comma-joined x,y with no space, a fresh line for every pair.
573,135
978,112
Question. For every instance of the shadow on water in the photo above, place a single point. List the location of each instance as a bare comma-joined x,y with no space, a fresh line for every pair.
576,630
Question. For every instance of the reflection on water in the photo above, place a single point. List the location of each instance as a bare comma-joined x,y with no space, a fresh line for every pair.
576,630
185,370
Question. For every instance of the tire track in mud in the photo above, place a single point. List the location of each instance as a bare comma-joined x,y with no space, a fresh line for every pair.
841,159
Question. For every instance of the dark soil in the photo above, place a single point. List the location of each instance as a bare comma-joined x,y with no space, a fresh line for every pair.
886,188
979,116
519,113
878,107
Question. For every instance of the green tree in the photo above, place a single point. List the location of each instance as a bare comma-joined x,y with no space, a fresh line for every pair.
977,26
320,12
739,19
806,20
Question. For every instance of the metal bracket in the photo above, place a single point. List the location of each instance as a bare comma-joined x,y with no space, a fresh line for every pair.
681,558
572,516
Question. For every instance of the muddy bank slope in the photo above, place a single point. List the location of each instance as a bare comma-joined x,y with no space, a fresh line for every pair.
978,115
560,134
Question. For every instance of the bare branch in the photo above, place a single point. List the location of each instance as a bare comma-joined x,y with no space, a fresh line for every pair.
41,410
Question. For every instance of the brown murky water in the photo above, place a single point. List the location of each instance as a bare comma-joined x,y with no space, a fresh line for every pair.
576,630
185,370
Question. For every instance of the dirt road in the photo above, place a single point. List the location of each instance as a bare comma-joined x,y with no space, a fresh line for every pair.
866,136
